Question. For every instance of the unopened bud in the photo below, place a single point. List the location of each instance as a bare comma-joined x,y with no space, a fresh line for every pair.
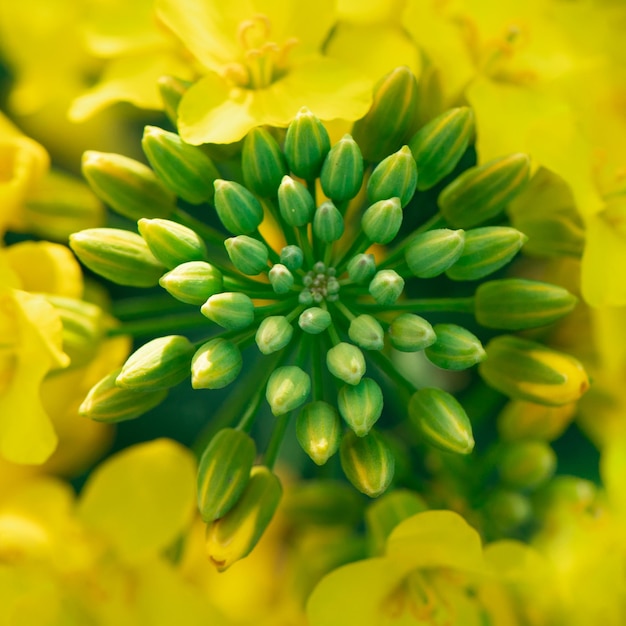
361,405
394,177
386,287
231,310
411,333
172,90
239,211
192,282
295,203
281,278
455,348
366,332
248,255
273,334
215,364
520,419
292,258
306,145
287,389
433,252
172,243
381,221
361,268
318,430
262,162
314,320
328,222
526,464
342,171
346,362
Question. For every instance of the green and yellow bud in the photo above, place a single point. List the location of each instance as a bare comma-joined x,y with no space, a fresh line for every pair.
172,243
386,287
520,419
287,389
172,90
411,333
441,420
193,282
262,162
342,171
346,362
367,333
215,364
394,177
381,221
314,320
306,145
281,278
292,258
318,430
239,211
433,252
230,310
507,510
361,268
361,405
455,348
273,334
250,256
328,222
295,203
526,464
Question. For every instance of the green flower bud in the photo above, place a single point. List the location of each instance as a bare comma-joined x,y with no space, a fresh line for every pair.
292,258
515,304
237,208
346,362
441,420
295,203
130,188
507,510
318,430
439,145
232,537
314,320
262,162
526,464
159,364
231,310
281,278
455,348
361,405
394,177
306,145
367,462
248,255
327,222
215,364
481,193
106,402
172,90
118,255
411,333
224,472
361,268
526,370
486,250
433,252
367,332
287,389
381,221
386,287
171,242
520,419
387,124
342,171
184,169
192,282
273,334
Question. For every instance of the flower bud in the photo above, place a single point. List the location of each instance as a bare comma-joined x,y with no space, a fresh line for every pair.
367,462
172,90
439,145
231,310
411,333
281,278
386,287
366,332
184,169
361,405
192,282
239,211
433,252
342,171
233,536
118,255
520,419
159,364
327,222
526,370
516,304
455,348
441,420
314,320
318,430
486,250
248,255
262,162
507,510
224,472
346,362
287,389
295,203
306,145
106,402
394,177
130,188
381,221
361,268
171,242
481,192
273,334
292,258
526,464
215,364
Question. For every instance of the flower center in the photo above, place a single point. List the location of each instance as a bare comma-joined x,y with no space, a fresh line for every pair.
319,284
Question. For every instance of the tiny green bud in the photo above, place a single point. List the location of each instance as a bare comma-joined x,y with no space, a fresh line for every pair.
287,389
237,208
328,222
367,462
361,405
318,430
526,464
314,320
441,420
231,310
292,258
481,192
118,255
192,282
386,287
172,90
295,203
215,364
281,278
410,333
130,188
159,364
248,255
394,177
507,509
433,252
486,250
342,171
365,331
171,242
273,334
439,145
381,221
455,348
306,145
361,268
262,162
184,169
224,472
516,304
346,362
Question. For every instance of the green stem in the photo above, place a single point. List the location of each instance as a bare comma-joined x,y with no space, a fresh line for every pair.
345,310
205,231
302,235
424,305
161,326
273,309
147,306
317,374
274,257
276,439
385,364
251,410
359,245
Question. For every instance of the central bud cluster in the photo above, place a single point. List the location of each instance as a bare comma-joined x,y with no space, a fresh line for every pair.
319,284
